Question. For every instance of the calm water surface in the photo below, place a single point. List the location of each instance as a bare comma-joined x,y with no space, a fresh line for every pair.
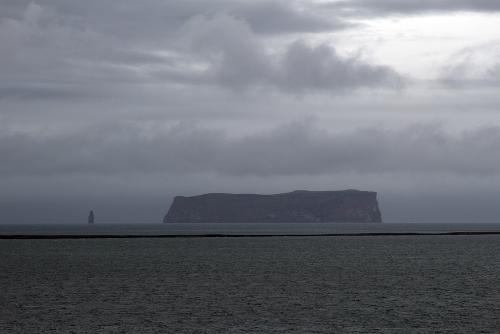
403,284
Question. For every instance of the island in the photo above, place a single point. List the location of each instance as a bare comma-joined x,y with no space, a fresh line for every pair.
301,206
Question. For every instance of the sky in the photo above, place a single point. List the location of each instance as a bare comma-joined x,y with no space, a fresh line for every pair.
117,106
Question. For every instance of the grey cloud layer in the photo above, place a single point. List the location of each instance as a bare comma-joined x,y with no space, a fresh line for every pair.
47,48
61,49
371,7
297,149
155,19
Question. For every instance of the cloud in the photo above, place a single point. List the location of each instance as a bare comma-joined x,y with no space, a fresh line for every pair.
230,52
233,57
57,49
473,67
309,68
381,7
46,55
153,20
272,17
29,91
296,149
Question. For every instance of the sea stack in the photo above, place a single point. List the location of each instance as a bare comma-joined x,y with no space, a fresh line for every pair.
90,219
301,206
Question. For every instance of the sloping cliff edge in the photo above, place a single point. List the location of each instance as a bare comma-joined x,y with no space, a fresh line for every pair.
299,206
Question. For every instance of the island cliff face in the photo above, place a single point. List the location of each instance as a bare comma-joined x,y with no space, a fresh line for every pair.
295,207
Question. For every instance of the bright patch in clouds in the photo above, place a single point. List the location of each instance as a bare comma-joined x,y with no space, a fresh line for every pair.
422,45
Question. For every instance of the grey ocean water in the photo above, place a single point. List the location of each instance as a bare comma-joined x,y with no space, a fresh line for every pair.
297,284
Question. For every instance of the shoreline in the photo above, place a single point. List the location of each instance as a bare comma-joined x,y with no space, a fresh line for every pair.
223,235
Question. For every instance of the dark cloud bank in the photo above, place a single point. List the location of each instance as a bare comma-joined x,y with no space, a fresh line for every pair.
296,149
133,166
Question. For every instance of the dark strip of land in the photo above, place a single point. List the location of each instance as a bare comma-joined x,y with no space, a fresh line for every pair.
135,236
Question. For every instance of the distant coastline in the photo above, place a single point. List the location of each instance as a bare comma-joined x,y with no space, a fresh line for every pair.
136,236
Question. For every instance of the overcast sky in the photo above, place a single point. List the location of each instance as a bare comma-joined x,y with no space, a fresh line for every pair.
120,105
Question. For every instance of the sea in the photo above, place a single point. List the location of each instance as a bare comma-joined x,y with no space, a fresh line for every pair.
250,278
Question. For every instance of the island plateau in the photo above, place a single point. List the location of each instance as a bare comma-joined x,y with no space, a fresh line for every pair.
301,206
